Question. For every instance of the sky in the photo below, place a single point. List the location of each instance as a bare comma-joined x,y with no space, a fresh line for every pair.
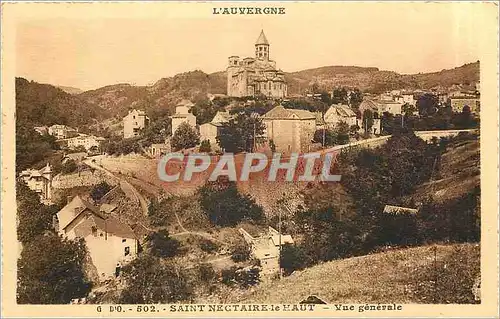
92,46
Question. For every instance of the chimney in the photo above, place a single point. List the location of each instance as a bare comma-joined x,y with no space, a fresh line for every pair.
68,199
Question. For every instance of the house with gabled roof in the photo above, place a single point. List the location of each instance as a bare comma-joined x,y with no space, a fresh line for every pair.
110,242
291,130
340,113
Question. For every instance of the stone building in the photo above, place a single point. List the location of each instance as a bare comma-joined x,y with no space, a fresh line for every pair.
256,76
291,130
110,243
266,248
210,131
459,102
87,141
182,115
134,122
62,131
39,181
339,113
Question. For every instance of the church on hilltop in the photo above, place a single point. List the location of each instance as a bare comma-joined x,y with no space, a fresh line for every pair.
256,76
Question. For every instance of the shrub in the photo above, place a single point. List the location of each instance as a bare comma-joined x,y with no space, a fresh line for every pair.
99,190
206,273
205,146
208,246
240,253
161,245
69,167
292,258
225,206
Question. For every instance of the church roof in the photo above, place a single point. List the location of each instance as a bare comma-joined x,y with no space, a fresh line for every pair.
262,39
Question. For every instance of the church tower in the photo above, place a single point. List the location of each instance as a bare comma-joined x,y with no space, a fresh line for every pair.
262,47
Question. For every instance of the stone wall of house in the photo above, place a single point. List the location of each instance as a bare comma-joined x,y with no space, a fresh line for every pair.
84,178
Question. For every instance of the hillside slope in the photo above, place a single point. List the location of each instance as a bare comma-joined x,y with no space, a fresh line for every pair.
398,276
458,174
44,104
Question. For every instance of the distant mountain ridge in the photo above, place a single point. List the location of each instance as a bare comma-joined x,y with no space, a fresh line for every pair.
70,90
161,97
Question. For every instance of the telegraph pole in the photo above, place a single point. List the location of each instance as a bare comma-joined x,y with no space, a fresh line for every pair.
279,235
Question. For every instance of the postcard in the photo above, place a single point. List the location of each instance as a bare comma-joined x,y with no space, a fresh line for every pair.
233,159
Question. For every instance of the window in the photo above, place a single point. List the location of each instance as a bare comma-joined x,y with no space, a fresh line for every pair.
94,231
127,251
124,240
133,117
265,48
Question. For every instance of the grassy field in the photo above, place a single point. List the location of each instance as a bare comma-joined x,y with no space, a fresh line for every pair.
399,276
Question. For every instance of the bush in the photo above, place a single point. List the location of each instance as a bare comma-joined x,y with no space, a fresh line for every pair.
206,273
148,280
205,146
292,258
225,206
240,253
185,137
208,246
244,278
161,245
69,167
99,190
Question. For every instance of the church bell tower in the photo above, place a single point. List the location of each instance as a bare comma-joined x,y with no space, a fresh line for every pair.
262,47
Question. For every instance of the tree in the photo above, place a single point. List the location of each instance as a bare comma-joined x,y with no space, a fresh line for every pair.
241,252
51,271
205,146
408,109
149,280
225,206
342,133
69,167
185,137
355,98
339,96
368,121
427,104
161,244
34,217
292,258
325,136
99,190
240,133
272,146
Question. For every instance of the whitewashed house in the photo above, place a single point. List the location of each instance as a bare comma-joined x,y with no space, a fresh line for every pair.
110,243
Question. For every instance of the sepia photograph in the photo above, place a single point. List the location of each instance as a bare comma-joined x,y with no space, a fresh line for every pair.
176,159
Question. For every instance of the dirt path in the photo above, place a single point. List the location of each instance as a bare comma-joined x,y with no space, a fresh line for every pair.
130,191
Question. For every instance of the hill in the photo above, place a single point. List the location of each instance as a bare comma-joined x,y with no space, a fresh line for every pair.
458,174
166,92
159,97
397,276
43,104
70,90
376,81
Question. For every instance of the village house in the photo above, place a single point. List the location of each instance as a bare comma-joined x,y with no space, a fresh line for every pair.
339,113
39,181
459,102
110,243
210,131
182,115
134,122
160,149
87,141
381,106
291,130
62,131
257,75
266,248
42,130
